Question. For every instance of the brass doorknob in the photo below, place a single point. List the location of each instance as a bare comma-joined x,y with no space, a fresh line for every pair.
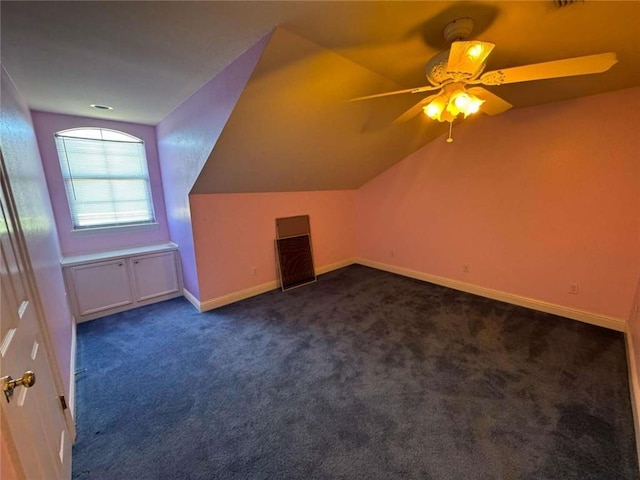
27,380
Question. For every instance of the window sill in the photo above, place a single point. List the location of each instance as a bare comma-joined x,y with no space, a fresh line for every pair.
143,227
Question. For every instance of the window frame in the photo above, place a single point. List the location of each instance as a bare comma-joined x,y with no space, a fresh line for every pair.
67,176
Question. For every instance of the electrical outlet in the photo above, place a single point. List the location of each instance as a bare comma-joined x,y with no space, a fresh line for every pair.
254,271
393,253
465,268
574,288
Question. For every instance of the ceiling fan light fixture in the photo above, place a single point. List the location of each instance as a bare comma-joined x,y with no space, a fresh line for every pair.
436,107
474,106
461,100
467,103
446,106
474,51
447,116
432,111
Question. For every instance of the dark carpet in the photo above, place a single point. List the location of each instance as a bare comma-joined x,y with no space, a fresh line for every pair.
362,375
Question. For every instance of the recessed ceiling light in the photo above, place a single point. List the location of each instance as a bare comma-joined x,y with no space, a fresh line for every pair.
101,107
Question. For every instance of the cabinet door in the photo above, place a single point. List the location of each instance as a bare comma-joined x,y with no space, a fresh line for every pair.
155,275
101,286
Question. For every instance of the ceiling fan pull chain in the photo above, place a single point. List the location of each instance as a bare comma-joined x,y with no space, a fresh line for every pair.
449,139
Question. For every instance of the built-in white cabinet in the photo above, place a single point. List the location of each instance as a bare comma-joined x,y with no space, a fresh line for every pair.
100,286
108,282
154,275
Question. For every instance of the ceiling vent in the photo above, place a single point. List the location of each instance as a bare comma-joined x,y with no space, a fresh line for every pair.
565,3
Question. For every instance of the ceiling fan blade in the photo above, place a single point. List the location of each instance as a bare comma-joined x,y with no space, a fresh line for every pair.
466,58
493,104
397,92
415,110
558,68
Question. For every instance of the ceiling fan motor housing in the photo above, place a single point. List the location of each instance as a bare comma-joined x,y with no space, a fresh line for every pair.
437,68
459,29
438,73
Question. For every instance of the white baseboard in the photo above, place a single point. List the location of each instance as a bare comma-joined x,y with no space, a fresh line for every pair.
237,296
581,315
191,298
218,302
612,323
335,266
634,387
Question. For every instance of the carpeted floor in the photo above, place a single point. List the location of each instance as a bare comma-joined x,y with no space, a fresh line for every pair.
362,375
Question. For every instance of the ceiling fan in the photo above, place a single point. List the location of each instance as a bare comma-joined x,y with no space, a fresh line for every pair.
457,73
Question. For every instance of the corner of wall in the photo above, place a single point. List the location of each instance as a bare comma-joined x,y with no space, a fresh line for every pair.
185,139
632,337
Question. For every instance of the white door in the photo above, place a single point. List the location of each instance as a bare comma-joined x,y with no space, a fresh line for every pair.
33,423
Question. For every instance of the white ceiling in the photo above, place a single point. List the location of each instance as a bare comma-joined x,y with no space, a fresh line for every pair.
145,58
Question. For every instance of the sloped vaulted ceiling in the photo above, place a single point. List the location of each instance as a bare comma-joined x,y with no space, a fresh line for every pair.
146,58
294,129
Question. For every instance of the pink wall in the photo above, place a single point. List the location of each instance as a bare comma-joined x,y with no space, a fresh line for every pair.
185,140
22,160
235,233
46,125
532,200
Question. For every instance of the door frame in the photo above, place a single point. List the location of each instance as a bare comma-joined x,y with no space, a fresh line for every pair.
12,211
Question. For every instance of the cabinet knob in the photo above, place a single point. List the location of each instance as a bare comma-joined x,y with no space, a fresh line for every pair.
119,264
135,261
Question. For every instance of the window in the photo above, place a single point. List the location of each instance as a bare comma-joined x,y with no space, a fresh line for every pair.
106,178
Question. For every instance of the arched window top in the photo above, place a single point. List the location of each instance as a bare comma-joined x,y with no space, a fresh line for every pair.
106,177
95,133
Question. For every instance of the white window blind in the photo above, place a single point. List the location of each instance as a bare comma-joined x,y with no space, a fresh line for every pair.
106,178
